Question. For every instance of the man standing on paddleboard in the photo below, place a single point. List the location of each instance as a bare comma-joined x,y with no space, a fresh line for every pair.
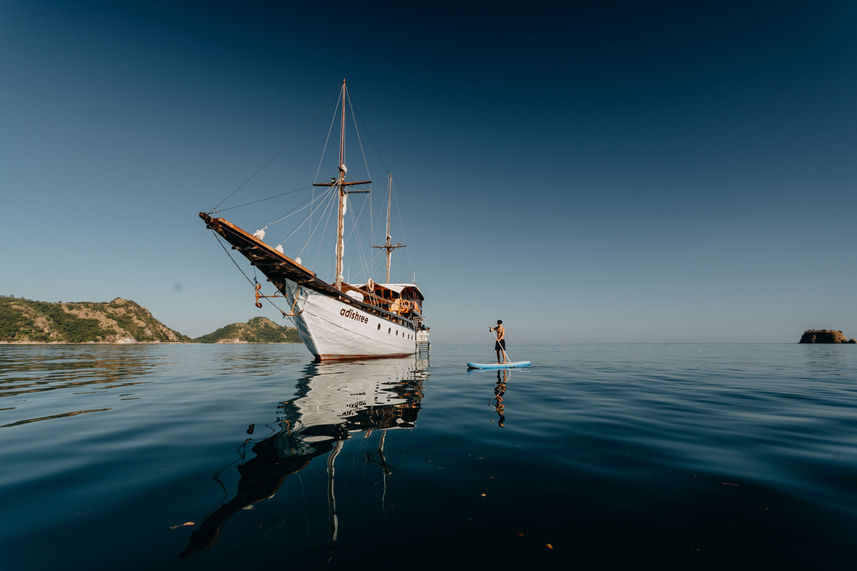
500,343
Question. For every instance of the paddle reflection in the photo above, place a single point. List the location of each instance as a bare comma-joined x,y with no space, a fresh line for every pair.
332,402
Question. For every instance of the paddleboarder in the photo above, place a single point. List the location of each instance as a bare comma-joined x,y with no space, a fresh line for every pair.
500,342
499,333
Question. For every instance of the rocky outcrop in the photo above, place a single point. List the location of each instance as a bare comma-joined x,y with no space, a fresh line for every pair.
824,336
119,321
256,330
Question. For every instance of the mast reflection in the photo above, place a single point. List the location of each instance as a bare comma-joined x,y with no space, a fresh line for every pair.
333,400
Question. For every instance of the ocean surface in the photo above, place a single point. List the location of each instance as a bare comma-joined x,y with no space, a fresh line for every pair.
189,457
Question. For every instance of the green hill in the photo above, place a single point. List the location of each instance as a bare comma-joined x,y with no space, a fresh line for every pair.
119,321
257,330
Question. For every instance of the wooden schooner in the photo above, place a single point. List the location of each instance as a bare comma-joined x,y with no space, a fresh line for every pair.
337,320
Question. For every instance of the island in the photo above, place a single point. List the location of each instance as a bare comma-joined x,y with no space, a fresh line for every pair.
25,321
256,330
825,336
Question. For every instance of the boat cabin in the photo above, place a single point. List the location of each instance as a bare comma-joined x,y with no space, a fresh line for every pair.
402,299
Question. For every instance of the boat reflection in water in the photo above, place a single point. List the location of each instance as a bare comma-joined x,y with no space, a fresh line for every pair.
333,400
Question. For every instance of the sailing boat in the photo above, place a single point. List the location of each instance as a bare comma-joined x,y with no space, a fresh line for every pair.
337,320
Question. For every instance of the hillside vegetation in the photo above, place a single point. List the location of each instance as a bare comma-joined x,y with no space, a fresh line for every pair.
256,330
117,321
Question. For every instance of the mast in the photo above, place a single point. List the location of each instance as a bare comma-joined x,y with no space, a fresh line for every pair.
341,188
389,201
340,221
388,245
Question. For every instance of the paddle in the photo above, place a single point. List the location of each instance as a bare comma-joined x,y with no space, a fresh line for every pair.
497,339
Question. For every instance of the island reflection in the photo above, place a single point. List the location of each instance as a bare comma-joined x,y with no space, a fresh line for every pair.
333,400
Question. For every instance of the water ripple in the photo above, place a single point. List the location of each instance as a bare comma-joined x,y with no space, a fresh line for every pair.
678,456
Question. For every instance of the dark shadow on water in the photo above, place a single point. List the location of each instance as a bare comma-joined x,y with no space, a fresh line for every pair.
53,416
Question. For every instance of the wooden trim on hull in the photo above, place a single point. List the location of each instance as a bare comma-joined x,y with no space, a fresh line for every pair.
319,358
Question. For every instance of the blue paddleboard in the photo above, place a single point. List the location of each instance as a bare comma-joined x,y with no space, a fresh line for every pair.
511,365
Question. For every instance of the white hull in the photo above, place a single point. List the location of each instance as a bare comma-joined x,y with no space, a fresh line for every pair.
331,329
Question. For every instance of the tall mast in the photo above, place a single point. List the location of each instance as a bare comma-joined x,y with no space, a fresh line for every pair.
389,201
341,188
340,221
388,245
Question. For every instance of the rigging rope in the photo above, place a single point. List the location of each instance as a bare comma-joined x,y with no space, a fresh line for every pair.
289,214
326,141
246,277
326,221
371,142
262,199
354,229
357,131
298,131
326,205
409,262
299,226
365,162
321,159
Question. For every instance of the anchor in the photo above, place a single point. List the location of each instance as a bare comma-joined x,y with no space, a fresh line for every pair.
259,295
292,312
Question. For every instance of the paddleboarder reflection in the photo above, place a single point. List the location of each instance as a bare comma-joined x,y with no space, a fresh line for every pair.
499,391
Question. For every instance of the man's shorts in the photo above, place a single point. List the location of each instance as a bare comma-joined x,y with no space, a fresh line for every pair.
501,344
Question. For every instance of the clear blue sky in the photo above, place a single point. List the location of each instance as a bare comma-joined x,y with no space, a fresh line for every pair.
585,171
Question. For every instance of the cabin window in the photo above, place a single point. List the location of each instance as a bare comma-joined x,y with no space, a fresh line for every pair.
397,332
389,330
379,327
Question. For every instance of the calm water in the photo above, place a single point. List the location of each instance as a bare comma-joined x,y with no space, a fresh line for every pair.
225,457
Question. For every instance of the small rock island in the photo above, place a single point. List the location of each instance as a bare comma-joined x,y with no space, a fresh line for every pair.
824,336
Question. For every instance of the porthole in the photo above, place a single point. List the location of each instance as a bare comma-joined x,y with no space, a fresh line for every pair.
397,332
379,327
389,331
